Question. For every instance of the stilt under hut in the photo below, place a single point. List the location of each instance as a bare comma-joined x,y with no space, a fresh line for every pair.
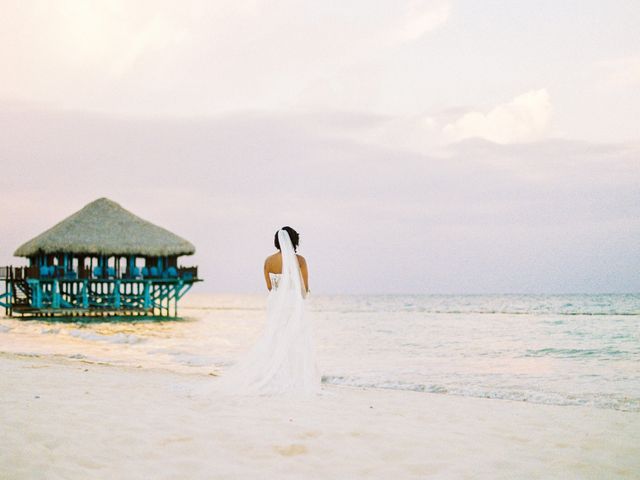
102,260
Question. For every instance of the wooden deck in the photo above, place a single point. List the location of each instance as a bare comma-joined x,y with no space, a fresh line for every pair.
26,296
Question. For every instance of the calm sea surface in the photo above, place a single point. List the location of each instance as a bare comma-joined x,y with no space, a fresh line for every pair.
557,349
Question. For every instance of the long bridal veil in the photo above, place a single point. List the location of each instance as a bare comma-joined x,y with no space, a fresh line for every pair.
283,359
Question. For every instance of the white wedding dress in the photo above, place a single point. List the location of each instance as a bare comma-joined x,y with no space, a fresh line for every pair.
283,360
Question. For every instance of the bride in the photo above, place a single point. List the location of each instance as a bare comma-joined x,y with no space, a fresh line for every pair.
283,359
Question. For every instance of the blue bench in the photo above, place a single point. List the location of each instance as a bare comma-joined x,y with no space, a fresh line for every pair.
172,272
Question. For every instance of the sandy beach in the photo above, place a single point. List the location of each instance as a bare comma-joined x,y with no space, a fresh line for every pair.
73,419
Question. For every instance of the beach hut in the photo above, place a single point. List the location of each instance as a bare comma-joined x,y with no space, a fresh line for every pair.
102,260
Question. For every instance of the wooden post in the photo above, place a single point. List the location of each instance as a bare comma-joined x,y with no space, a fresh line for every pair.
116,294
85,293
10,291
36,288
175,299
147,295
55,295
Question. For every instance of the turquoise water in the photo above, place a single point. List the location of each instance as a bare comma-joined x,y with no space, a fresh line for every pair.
557,349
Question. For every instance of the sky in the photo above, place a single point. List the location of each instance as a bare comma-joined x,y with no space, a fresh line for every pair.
433,146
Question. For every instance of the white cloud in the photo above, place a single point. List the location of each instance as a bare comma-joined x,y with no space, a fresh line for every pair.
525,118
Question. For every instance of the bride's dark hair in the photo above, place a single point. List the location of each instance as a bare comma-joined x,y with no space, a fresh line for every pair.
293,235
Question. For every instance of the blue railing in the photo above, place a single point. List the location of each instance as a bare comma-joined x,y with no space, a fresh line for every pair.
98,272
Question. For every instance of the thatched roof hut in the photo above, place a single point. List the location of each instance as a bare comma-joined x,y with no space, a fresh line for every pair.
105,228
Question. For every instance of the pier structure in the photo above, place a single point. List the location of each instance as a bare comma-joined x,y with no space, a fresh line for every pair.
102,260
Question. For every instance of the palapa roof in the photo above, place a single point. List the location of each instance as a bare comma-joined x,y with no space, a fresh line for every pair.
105,228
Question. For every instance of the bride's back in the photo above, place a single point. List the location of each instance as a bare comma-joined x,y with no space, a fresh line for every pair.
273,265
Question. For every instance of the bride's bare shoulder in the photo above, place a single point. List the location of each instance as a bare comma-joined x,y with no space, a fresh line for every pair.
276,258
271,258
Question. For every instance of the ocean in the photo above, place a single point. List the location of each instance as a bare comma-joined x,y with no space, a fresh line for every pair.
553,349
